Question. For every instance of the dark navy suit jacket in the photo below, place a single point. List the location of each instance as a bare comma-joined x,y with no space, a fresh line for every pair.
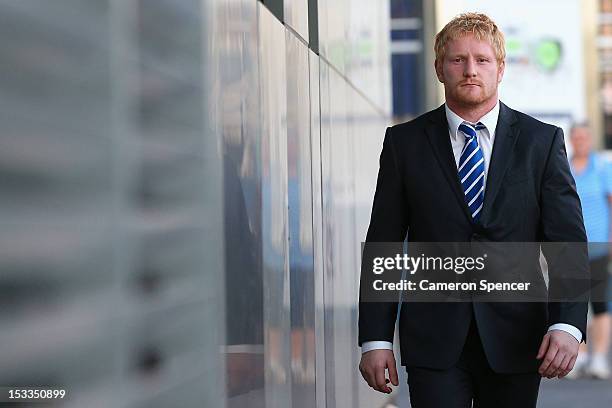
530,196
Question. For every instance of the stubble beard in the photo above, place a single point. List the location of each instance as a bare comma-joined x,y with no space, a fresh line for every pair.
471,98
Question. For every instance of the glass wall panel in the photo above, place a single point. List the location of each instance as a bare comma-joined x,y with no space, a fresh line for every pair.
273,102
57,191
327,227
103,266
317,207
237,101
299,166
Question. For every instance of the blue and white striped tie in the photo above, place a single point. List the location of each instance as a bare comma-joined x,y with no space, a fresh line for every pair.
471,169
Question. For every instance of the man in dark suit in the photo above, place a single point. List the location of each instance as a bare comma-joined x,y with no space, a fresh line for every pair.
473,170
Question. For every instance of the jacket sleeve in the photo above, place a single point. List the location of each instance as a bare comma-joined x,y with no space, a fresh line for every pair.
562,226
388,223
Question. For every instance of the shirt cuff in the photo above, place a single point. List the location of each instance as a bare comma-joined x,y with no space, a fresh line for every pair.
376,345
568,328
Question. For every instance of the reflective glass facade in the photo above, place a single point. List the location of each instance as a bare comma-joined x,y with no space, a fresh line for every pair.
300,141
185,187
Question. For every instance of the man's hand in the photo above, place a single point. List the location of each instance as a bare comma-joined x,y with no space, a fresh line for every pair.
559,350
372,367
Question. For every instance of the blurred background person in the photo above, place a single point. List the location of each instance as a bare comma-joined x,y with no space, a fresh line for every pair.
593,175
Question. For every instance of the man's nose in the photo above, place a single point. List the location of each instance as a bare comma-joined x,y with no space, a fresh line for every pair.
469,69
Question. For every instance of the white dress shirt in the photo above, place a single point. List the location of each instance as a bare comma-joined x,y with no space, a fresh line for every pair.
485,137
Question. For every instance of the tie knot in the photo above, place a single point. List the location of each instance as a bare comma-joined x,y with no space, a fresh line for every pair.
470,130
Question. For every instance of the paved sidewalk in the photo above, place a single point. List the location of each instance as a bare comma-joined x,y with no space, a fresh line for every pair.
575,394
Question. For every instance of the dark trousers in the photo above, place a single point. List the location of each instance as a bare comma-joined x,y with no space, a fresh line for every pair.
471,379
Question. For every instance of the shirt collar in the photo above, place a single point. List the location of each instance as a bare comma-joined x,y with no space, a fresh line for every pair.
489,120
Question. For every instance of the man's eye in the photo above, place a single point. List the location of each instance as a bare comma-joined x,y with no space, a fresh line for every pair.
457,59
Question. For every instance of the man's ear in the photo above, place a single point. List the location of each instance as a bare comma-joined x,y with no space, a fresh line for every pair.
500,74
439,71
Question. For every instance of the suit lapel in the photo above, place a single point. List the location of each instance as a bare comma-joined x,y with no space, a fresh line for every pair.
437,133
506,135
